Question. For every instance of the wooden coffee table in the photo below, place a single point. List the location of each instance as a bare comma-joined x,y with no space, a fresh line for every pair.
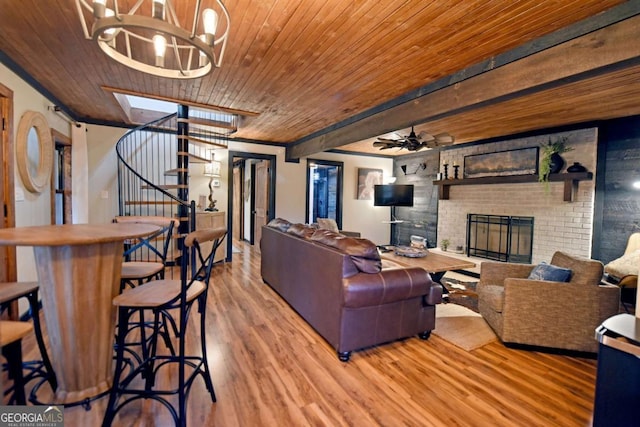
436,264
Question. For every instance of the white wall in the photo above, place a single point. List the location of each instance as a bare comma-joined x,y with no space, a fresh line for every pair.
30,208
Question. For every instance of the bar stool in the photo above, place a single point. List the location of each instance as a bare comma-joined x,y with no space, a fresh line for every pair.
10,293
159,296
145,260
11,334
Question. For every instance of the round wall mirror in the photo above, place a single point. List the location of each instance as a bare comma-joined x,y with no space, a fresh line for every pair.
34,151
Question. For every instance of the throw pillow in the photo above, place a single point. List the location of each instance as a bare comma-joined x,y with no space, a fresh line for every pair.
544,271
279,224
328,224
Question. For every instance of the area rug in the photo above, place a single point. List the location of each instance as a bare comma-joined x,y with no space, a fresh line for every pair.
461,292
462,327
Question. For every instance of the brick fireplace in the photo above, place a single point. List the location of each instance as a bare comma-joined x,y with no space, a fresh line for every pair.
557,225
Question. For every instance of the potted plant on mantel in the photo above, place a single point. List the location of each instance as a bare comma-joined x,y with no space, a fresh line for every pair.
552,161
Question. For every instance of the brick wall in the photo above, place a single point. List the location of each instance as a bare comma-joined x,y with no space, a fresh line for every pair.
558,225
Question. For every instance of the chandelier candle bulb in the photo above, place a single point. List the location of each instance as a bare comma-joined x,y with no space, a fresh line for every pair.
158,9
99,7
210,22
160,47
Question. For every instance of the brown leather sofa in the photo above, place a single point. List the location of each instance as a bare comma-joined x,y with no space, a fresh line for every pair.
337,284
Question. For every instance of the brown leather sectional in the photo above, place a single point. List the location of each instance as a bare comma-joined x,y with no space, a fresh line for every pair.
337,284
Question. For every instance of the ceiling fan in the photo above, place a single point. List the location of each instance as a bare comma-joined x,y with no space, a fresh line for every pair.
415,142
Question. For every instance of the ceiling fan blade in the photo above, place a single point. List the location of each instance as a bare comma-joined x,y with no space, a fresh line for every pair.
425,136
444,139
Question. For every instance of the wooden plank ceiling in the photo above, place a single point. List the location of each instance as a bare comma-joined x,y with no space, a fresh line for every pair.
305,66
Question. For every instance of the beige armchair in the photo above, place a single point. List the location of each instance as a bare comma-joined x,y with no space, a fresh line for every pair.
561,315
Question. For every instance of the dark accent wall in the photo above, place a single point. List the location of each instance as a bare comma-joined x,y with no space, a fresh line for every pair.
422,218
620,212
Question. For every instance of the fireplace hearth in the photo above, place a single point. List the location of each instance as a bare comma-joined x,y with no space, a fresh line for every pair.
500,237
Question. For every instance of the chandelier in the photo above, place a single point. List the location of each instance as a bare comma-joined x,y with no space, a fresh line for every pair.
151,38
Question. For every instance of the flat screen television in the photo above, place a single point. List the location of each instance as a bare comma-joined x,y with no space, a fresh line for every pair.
393,195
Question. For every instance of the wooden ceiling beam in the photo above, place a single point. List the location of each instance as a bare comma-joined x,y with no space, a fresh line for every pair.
593,54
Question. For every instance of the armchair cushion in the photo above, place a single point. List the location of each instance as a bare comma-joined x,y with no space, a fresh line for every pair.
626,265
544,271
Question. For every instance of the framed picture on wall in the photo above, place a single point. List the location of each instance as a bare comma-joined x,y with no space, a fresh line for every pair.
523,161
367,178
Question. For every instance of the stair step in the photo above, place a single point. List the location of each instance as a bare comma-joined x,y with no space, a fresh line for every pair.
209,123
150,202
164,186
206,142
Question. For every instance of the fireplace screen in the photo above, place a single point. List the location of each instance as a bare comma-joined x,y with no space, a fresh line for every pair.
500,238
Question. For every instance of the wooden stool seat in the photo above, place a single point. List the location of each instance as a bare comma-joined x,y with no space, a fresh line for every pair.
137,270
13,330
10,291
156,293
11,334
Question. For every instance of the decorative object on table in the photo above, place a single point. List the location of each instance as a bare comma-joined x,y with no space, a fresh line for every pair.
410,252
576,167
523,161
367,179
418,242
459,249
455,170
551,161
446,170
212,170
444,244
152,39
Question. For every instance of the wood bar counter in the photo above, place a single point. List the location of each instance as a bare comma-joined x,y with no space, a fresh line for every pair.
79,268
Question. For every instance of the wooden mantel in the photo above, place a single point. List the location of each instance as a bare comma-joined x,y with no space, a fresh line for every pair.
570,180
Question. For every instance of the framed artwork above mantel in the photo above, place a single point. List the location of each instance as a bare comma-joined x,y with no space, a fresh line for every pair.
522,161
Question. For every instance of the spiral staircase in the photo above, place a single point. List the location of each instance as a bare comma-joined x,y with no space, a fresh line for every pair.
154,159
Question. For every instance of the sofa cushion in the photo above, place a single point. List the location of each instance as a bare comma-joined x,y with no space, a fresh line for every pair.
279,224
301,230
328,224
363,252
544,271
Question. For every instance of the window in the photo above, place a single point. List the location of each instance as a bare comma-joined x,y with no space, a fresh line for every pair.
324,191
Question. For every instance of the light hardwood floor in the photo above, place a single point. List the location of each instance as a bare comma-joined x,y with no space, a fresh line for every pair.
270,368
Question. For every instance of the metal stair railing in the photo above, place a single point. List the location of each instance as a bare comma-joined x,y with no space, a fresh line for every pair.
147,155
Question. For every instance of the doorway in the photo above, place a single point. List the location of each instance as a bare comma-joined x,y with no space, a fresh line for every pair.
324,191
8,266
252,195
